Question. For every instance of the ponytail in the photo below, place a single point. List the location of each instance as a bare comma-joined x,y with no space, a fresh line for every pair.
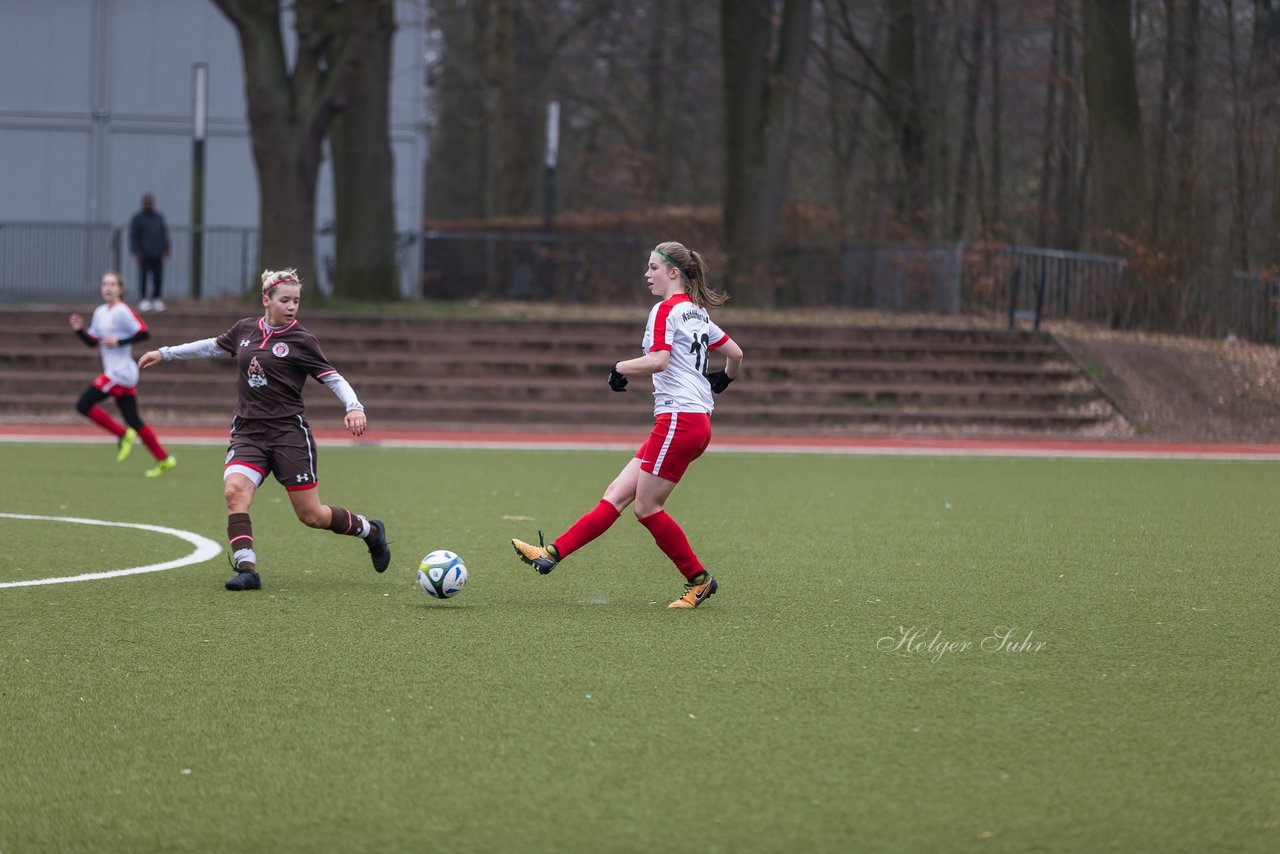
693,273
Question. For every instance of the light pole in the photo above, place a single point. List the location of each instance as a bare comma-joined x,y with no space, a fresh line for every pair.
553,151
200,120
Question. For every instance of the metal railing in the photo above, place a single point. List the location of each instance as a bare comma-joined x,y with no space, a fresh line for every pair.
43,262
57,262
63,262
504,265
1026,282
979,278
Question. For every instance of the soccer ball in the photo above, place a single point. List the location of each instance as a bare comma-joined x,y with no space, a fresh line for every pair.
442,574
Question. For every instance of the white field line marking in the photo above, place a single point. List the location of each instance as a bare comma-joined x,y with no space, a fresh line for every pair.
205,550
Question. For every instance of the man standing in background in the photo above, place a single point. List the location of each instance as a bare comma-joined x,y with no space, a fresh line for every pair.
149,244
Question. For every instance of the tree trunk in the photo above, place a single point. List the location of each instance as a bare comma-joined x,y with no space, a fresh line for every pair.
1184,243
1051,141
1164,124
1260,92
761,91
1117,194
1073,162
363,177
905,116
457,172
1238,251
289,113
995,204
969,126
657,140
517,107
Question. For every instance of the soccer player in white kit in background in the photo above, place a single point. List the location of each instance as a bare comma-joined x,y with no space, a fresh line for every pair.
114,329
678,341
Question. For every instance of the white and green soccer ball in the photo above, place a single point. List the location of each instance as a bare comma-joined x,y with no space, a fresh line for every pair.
442,574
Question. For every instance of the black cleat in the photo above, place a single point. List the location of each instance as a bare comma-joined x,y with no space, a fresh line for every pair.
246,579
379,551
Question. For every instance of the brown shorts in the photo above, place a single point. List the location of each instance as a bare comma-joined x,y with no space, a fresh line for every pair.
281,446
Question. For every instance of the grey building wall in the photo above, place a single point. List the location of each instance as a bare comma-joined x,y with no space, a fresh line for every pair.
96,109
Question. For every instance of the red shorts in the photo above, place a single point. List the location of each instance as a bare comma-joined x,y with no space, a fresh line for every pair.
678,438
106,385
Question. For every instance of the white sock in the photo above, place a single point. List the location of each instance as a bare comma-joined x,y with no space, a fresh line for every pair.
244,556
365,527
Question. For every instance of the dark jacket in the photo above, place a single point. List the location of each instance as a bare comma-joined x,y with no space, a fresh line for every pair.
148,235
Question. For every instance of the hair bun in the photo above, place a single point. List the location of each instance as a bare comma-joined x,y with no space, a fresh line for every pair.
271,278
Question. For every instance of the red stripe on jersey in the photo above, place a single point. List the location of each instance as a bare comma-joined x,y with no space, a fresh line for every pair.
267,333
142,324
325,374
660,322
301,487
717,345
260,471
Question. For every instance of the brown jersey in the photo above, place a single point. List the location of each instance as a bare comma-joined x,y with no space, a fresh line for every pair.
273,365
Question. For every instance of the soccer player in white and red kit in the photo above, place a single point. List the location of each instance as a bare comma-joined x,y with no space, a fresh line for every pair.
678,341
270,436
113,330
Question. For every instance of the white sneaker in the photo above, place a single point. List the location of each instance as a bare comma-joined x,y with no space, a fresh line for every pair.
158,305
144,305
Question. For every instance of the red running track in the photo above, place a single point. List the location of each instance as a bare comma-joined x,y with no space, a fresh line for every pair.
820,444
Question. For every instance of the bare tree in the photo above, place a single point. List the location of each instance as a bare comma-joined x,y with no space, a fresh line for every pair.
760,99
1185,129
457,177
364,199
995,199
969,129
904,107
517,105
1117,192
1073,161
1052,144
290,106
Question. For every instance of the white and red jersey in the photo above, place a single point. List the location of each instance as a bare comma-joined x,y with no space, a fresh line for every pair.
683,327
117,321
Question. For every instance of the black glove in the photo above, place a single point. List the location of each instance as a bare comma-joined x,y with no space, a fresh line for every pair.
719,381
617,381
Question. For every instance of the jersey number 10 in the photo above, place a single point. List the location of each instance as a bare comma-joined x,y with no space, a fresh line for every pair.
701,344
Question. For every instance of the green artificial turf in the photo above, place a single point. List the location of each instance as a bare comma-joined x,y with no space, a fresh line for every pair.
341,710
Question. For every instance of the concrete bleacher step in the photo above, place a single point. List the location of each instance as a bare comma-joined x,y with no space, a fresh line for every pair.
213,385
405,338
518,413
497,373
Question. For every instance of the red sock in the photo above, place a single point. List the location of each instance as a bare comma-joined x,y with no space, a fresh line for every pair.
148,437
99,416
586,529
674,544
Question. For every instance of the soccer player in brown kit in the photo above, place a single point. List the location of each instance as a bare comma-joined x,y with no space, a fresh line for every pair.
269,433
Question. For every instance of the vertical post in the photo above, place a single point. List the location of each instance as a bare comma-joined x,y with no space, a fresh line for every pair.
553,151
1040,299
1013,295
957,279
200,116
